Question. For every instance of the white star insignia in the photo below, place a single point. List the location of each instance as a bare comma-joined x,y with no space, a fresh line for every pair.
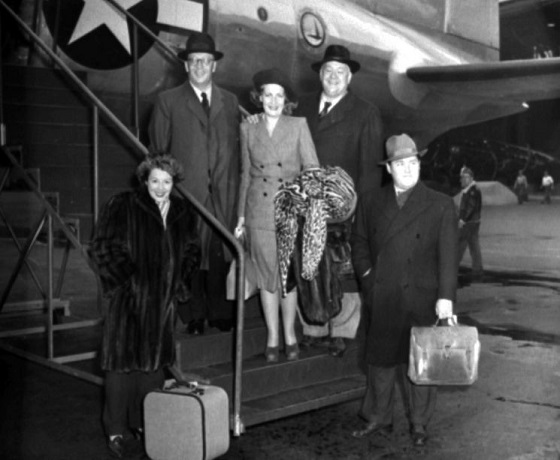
97,13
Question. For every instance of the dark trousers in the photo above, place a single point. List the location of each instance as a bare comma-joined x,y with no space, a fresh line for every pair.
379,400
209,289
469,236
124,399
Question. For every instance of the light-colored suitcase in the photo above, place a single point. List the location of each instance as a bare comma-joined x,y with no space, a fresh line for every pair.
444,355
186,423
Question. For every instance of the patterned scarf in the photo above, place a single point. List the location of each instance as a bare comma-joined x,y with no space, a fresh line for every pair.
318,195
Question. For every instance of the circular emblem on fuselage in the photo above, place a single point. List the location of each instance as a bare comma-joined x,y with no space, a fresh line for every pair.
312,29
96,35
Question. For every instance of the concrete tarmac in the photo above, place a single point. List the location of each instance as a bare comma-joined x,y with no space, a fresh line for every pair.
511,412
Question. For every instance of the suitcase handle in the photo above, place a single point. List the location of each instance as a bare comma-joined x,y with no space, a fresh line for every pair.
450,321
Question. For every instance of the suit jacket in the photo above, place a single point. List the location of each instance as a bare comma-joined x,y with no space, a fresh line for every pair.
268,162
412,255
207,147
349,136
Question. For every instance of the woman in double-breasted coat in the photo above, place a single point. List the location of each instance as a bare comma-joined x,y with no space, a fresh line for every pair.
146,250
273,151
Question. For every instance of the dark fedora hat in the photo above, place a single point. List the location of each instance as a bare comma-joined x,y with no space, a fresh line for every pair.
400,147
337,53
276,76
199,42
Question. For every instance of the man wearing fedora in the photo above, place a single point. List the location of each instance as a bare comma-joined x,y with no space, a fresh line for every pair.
404,249
198,123
347,132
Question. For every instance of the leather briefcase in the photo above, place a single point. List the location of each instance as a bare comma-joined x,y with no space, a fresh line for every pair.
444,355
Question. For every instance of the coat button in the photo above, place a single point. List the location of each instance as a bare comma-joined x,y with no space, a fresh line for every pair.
280,180
264,179
262,166
280,164
265,194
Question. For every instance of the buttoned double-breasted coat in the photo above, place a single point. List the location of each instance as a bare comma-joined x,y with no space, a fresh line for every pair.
412,257
206,146
268,162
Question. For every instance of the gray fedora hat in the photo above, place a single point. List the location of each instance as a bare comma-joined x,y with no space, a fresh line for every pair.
400,147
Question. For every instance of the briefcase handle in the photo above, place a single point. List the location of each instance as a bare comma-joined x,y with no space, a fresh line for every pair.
449,321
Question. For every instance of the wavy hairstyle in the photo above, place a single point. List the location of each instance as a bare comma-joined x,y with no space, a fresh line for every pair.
159,160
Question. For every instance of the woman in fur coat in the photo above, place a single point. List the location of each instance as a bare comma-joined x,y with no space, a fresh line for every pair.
146,250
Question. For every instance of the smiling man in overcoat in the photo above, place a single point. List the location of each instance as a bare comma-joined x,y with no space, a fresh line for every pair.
198,123
347,132
404,249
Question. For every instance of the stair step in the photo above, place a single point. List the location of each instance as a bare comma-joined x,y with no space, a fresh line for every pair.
37,77
43,113
59,133
302,399
262,379
54,97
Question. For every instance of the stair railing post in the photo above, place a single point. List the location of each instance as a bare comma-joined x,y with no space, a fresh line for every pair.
50,278
2,126
95,164
135,81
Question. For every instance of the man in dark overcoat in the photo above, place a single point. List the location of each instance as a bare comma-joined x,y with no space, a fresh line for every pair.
347,132
404,248
198,123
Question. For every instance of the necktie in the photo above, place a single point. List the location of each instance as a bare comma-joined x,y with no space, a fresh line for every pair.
401,198
325,109
205,104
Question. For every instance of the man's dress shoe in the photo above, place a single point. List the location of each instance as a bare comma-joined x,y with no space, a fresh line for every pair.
373,428
116,446
337,348
419,436
196,327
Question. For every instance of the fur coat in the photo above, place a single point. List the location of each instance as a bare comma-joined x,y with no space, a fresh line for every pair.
144,269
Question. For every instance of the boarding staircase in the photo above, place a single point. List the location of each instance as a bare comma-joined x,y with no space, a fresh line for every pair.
46,117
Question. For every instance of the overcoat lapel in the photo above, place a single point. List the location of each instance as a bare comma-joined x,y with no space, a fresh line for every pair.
337,113
313,117
398,219
194,105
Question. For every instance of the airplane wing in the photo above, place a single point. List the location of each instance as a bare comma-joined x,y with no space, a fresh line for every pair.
522,80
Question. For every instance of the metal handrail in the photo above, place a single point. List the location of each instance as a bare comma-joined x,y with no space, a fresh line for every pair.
237,423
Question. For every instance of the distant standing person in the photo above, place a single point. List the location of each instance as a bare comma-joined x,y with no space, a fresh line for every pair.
521,187
198,123
404,248
274,150
547,186
347,132
470,209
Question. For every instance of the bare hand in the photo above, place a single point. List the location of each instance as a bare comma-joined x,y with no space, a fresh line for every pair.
444,308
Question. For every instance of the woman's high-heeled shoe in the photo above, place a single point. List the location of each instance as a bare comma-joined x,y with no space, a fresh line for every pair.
292,352
271,354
